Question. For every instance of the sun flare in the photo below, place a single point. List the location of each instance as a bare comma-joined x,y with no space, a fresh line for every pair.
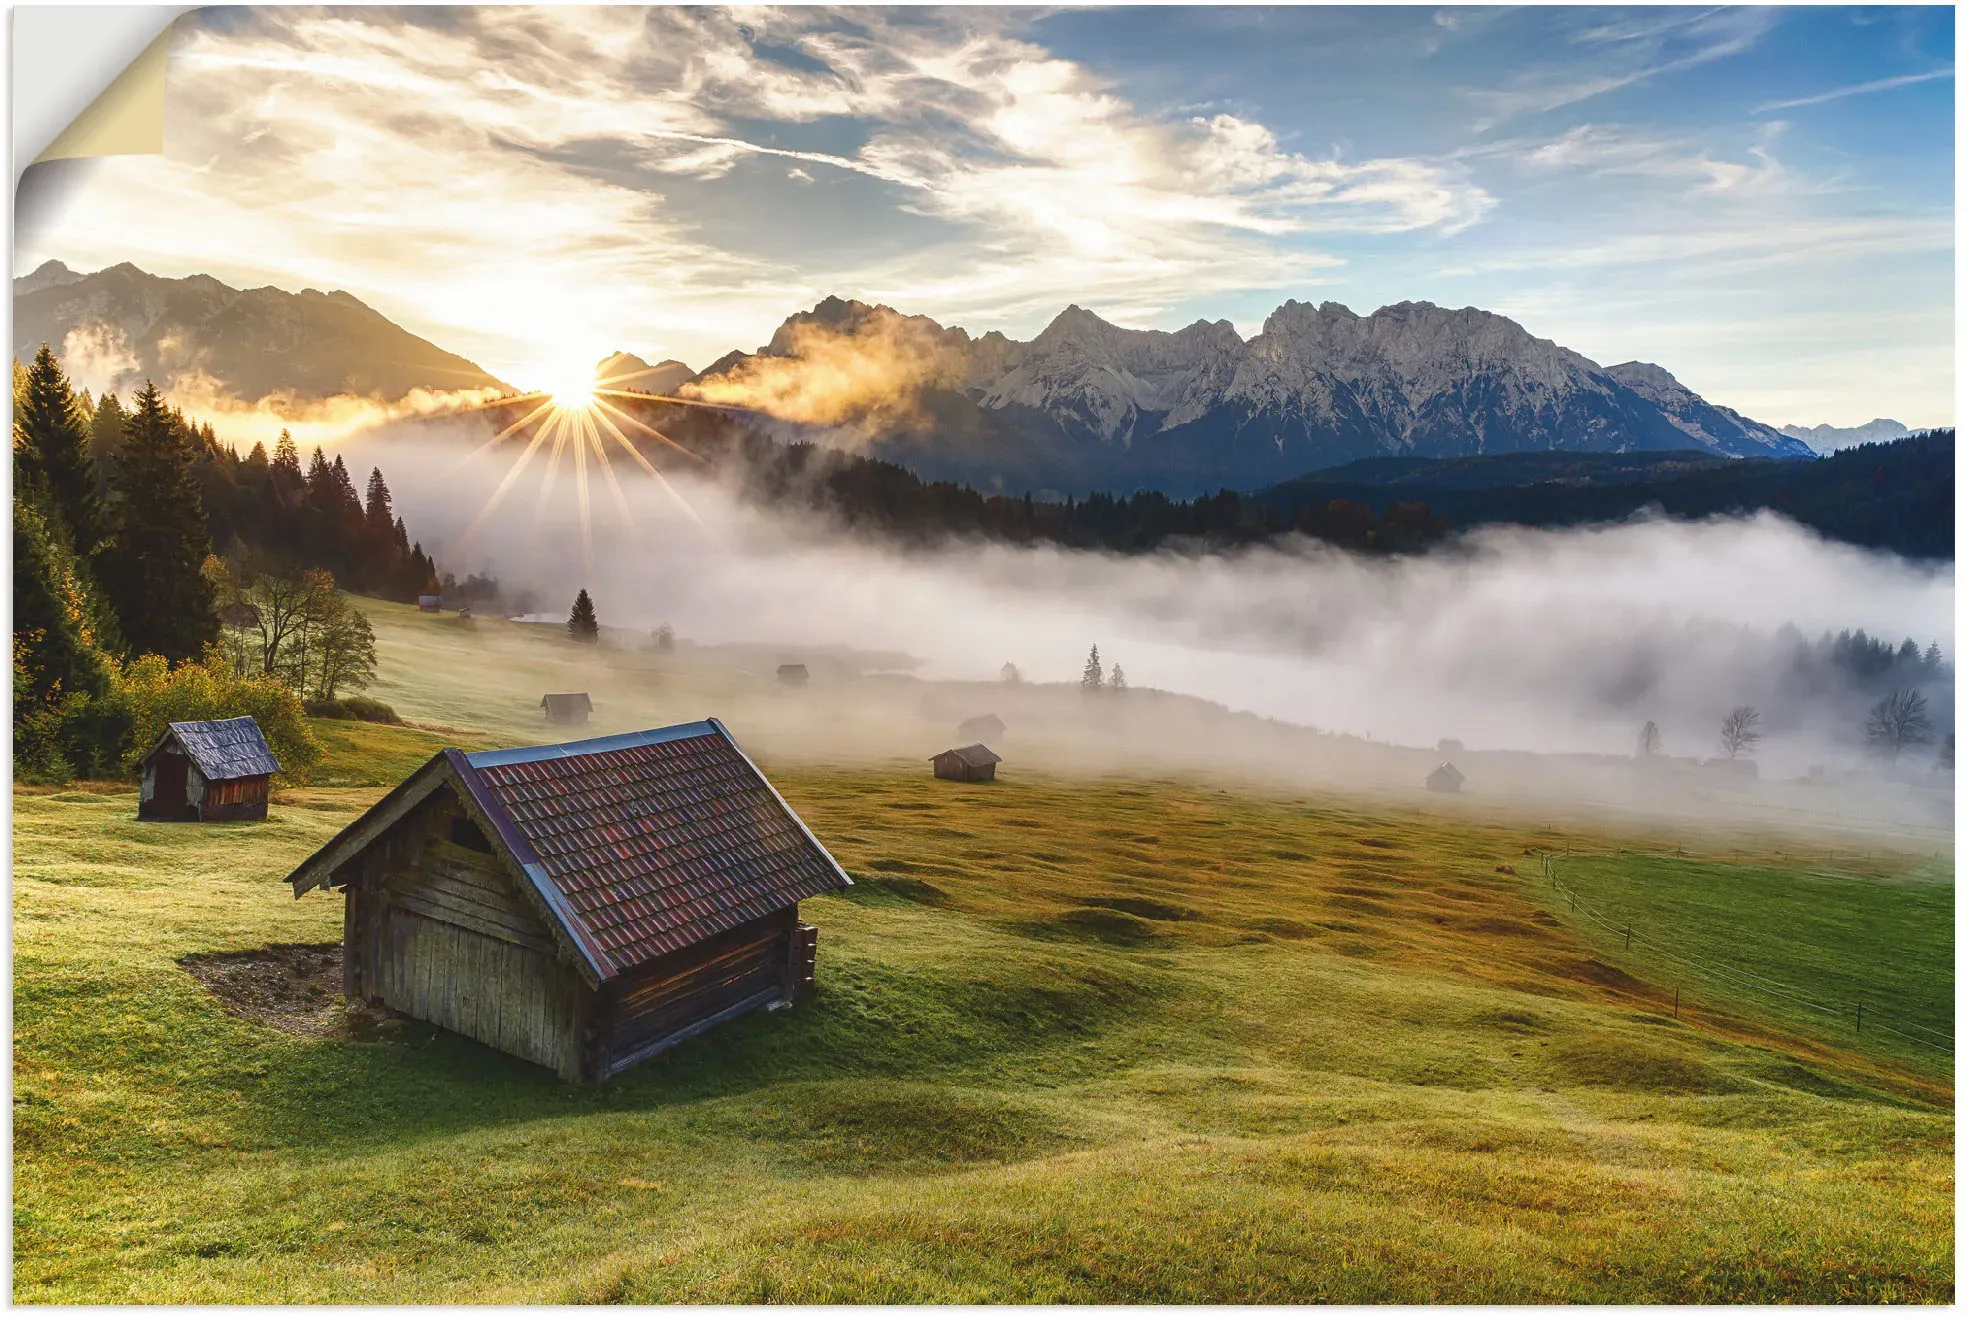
572,390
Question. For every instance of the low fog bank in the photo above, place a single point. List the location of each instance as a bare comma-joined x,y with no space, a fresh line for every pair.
1539,642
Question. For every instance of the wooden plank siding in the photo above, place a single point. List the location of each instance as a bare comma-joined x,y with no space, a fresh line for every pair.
659,1005
439,932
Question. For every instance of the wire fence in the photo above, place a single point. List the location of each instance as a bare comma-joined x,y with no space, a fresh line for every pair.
1748,982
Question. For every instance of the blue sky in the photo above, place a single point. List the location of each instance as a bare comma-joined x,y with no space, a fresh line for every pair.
1760,200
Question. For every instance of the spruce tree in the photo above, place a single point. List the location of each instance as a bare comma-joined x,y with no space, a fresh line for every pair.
1092,678
1118,682
581,623
54,452
151,571
106,432
378,514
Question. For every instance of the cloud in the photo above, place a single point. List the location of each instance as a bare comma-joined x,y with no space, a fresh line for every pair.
865,376
1625,52
1612,150
450,171
1857,89
97,357
1548,641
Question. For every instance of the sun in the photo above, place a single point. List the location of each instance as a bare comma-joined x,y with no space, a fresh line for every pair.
572,389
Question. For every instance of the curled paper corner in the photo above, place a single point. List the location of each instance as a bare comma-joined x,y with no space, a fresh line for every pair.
127,119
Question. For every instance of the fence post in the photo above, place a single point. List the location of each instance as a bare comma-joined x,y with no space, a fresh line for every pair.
1860,1029
1677,1003
1629,937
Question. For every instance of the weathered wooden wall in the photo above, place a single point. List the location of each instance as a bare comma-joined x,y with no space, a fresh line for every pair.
235,799
673,998
440,932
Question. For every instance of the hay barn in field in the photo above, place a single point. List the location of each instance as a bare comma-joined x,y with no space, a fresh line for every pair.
974,763
566,707
981,728
207,770
1445,778
794,674
430,604
585,906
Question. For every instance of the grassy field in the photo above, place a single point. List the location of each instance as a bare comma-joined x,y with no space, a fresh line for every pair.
1807,942
1075,1040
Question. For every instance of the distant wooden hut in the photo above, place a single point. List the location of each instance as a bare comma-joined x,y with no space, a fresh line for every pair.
1445,778
566,707
974,763
794,674
430,604
981,728
207,770
464,611
585,906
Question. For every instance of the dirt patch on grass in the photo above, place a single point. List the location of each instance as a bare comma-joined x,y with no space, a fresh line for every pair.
1503,926
295,988
1598,973
1143,907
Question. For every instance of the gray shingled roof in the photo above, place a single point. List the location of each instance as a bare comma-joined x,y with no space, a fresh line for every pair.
974,755
226,749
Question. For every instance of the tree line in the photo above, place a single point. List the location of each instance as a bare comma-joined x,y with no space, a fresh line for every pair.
1893,726
123,612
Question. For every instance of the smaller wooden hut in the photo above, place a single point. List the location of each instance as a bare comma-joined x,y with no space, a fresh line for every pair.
207,770
793,674
1445,778
566,707
981,728
974,763
430,604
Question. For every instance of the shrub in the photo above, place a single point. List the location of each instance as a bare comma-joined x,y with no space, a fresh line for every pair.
157,695
59,736
353,708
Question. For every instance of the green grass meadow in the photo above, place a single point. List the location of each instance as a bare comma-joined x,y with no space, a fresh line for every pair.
1081,1040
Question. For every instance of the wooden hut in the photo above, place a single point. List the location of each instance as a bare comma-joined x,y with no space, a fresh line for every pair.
585,906
974,763
207,770
794,674
1445,778
430,604
566,707
981,728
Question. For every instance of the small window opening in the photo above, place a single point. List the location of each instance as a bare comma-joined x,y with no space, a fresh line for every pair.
467,835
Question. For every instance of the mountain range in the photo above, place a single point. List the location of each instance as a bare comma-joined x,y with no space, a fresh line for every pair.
1085,405
246,344
1828,439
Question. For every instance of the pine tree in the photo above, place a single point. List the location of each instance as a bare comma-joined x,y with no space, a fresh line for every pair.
581,623
285,456
320,481
54,452
1092,677
347,502
106,433
1650,740
378,514
159,540
1118,682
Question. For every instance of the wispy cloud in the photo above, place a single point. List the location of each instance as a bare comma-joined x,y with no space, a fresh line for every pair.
1857,89
1624,52
446,170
